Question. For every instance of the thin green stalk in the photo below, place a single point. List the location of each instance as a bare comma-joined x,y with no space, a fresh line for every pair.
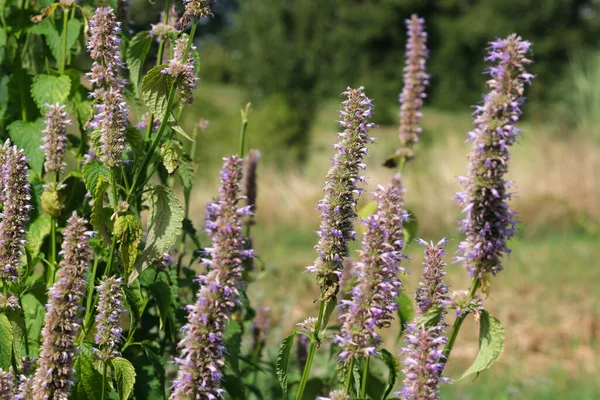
243,131
349,376
52,265
63,58
90,290
104,372
25,334
161,45
458,323
163,124
363,382
311,352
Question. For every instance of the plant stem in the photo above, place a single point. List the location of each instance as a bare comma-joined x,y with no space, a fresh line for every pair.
63,58
163,123
457,324
161,45
311,352
243,131
105,370
363,382
349,376
25,334
52,266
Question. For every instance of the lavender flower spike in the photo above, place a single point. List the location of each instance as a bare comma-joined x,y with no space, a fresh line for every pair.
201,362
432,290
341,188
55,138
198,8
415,81
372,304
7,385
110,308
489,222
183,70
53,378
15,197
110,120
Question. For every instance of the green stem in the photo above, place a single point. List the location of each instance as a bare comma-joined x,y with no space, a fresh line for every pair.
52,266
63,58
243,133
311,352
163,124
25,334
349,376
363,382
458,323
105,370
161,45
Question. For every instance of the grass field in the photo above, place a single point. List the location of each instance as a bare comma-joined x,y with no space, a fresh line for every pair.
548,296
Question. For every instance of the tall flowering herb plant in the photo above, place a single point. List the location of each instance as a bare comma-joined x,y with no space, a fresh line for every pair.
110,289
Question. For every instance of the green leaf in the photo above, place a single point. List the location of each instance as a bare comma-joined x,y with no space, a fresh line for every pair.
124,375
155,90
73,31
6,342
136,55
129,233
171,154
136,142
186,173
90,379
38,229
491,344
161,292
283,358
100,218
157,363
28,136
329,309
431,317
50,89
51,35
34,319
405,311
234,386
17,323
393,370
137,301
92,171
164,226
233,343
179,129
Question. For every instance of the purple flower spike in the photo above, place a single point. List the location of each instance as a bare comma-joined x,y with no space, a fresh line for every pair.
341,189
432,290
489,221
198,8
55,138
377,285
423,363
110,120
15,197
54,376
110,308
415,81
201,362
183,70
335,395
7,385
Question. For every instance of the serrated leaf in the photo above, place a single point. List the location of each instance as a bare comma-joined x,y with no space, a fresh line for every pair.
124,375
51,35
393,370
6,342
17,323
28,136
73,31
234,386
171,154
38,229
100,218
177,128
233,343
92,171
155,90
329,309
283,358
137,301
186,173
136,55
164,226
491,344
129,233
34,319
90,379
162,294
156,361
50,89
431,317
405,311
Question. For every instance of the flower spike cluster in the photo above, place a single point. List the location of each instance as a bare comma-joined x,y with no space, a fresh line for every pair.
110,308
110,120
424,360
7,385
198,8
489,222
162,29
183,70
54,376
372,304
55,138
335,395
201,362
15,197
415,81
341,189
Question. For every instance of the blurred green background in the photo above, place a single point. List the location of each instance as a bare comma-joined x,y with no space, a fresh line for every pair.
292,58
